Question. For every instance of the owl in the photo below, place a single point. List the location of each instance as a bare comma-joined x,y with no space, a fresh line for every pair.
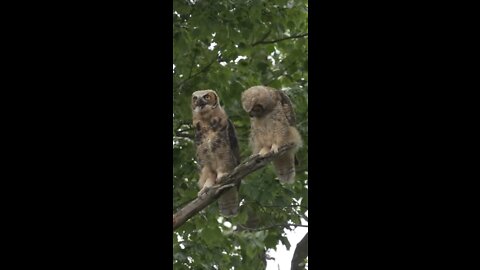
217,147
273,125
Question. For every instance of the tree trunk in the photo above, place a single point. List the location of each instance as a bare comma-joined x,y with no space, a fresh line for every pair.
301,252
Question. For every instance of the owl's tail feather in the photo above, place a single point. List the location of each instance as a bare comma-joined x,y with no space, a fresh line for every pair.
285,168
229,202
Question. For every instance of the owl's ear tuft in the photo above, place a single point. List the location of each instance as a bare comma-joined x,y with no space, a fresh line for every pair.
217,100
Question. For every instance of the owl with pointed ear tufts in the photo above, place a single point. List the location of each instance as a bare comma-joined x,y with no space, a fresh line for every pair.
217,147
273,125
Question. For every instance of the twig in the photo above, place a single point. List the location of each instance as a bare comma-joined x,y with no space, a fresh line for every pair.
205,68
272,226
279,206
185,130
183,135
183,123
193,63
262,39
280,73
278,40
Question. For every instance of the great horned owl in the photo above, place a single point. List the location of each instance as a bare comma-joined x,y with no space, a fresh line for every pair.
272,126
217,147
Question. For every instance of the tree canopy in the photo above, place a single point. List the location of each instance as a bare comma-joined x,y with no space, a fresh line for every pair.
229,46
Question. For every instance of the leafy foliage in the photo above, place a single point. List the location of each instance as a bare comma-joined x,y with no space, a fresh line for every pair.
229,46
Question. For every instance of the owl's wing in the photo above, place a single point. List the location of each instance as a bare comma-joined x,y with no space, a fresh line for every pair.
289,113
229,201
287,108
198,141
232,138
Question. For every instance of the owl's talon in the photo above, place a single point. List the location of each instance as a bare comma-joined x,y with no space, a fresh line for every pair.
274,148
263,152
224,187
204,190
219,177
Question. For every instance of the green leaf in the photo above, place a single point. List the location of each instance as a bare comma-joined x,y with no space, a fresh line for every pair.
258,243
276,84
291,24
285,242
271,240
262,66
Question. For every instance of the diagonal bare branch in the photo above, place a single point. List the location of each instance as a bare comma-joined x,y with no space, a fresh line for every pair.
251,164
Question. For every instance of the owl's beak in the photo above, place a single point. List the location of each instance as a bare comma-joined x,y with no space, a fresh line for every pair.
200,102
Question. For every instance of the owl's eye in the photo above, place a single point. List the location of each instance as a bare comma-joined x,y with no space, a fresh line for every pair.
257,108
207,97
194,99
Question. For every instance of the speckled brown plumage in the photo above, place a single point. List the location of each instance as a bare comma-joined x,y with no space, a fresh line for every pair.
217,147
273,125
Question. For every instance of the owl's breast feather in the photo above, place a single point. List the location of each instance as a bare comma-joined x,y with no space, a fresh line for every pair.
210,139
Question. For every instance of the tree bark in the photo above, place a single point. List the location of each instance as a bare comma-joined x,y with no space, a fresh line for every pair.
245,168
301,252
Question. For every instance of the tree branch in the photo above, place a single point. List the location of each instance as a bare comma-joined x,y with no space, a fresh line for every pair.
194,58
271,226
301,252
278,206
183,123
303,216
205,68
279,73
262,39
183,133
251,164
278,40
